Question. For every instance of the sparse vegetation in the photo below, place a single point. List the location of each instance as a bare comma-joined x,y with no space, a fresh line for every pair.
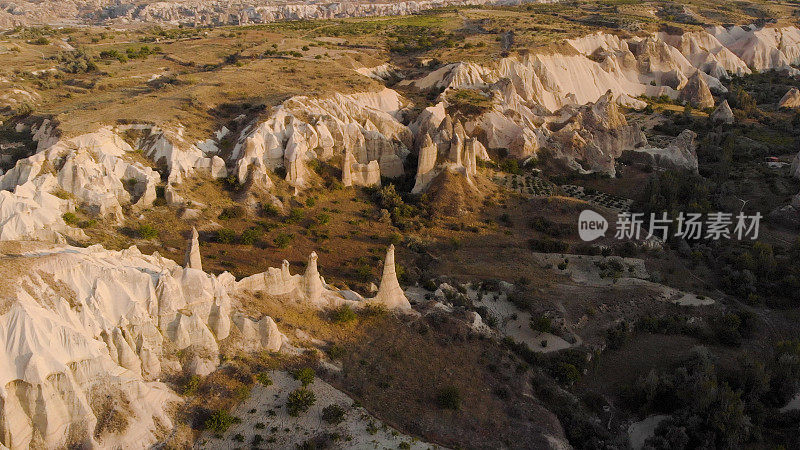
299,401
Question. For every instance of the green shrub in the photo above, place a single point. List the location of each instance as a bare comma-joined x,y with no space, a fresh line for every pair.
323,219
190,386
295,215
226,236
449,398
566,373
269,210
232,212
220,421
542,324
282,240
547,245
70,218
147,231
343,314
333,414
299,401
336,351
305,376
264,379
250,236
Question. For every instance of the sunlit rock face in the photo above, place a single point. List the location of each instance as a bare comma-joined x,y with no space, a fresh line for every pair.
94,172
86,333
365,126
566,99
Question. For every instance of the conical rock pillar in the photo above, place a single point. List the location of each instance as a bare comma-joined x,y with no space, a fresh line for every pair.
192,259
390,294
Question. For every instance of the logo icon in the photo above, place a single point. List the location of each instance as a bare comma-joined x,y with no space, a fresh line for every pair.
591,225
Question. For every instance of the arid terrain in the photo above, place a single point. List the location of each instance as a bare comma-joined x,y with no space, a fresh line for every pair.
358,225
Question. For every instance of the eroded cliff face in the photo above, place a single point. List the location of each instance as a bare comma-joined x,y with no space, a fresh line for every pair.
565,100
86,333
96,172
367,125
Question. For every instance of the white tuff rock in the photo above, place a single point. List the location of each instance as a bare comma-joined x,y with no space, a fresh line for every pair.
390,295
723,113
87,332
192,260
791,99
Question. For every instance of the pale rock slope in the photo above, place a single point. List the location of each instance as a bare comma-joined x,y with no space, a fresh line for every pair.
367,125
680,154
535,98
696,92
95,172
311,290
762,48
442,144
222,12
383,72
791,99
86,333
723,113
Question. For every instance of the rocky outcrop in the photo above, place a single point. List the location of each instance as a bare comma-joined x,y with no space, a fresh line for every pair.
192,259
87,332
534,98
591,137
310,289
795,166
366,125
697,93
442,144
723,113
791,99
762,48
95,172
206,13
30,211
168,147
390,295
680,154
357,174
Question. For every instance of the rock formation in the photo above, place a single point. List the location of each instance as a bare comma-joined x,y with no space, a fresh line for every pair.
723,113
87,324
95,172
791,99
680,154
762,48
192,259
86,333
366,125
697,93
310,289
390,295
442,144
357,174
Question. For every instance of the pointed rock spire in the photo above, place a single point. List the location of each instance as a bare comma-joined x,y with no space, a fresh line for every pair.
723,113
390,294
192,259
312,281
347,164
696,92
